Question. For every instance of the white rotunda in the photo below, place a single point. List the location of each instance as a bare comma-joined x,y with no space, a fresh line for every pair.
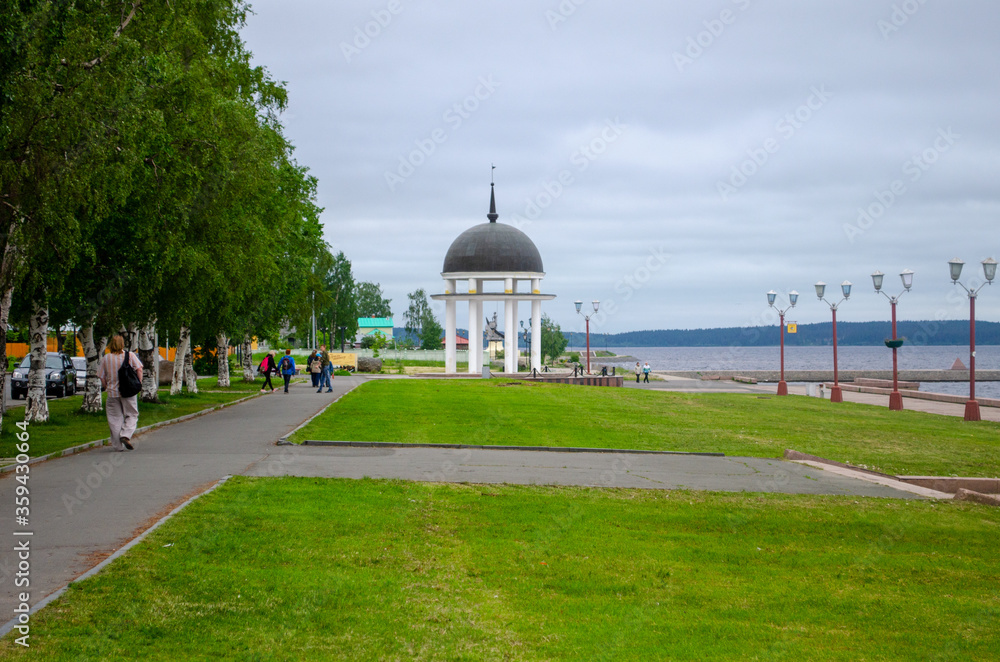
481,257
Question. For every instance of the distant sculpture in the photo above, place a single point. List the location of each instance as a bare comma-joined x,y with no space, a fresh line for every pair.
491,329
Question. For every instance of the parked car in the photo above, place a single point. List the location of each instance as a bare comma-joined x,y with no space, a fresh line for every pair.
60,376
80,363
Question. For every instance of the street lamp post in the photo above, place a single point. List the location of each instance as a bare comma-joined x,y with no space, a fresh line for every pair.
343,329
990,272
895,397
527,347
836,395
793,297
579,305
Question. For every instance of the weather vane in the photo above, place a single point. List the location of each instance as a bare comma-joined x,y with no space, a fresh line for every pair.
492,168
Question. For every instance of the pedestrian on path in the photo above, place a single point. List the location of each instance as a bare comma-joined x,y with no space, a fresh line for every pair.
638,371
315,367
267,368
123,413
287,367
645,373
325,370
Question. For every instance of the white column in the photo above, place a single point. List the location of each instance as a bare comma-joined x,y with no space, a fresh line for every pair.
473,325
473,334
510,335
535,284
450,359
478,350
536,335
450,328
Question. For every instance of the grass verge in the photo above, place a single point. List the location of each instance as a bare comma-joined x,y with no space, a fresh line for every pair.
69,426
310,569
530,414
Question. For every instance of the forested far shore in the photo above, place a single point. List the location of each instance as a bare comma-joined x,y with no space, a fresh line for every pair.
918,332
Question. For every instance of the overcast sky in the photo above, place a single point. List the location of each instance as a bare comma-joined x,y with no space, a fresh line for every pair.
675,160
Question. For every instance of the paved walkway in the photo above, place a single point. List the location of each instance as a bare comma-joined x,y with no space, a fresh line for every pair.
650,471
85,506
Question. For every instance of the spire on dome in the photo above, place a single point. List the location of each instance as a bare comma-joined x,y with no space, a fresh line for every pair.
493,215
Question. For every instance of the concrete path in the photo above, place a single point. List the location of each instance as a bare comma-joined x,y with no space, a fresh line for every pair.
85,506
650,471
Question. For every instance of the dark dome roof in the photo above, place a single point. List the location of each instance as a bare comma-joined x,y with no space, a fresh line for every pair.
492,247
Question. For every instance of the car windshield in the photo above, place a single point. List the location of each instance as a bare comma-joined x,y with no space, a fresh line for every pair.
52,362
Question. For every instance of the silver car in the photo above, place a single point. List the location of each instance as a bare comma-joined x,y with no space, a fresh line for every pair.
80,363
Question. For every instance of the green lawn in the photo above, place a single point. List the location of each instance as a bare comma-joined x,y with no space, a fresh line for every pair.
310,569
513,413
69,426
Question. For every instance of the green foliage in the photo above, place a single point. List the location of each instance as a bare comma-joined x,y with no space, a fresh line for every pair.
574,357
204,361
430,332
553,342
370,302
375,341
416,313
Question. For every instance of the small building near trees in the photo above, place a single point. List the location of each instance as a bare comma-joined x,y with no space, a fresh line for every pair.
370,325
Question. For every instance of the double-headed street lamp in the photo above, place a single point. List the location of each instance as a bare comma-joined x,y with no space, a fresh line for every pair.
836,395
579,305
793,297
990,271
526,335
895,398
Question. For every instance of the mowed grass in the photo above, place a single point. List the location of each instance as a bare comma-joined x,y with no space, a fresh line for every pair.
500,412
317,569
69,426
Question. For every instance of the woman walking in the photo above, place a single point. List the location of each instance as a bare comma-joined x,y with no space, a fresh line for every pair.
638,371
123,413
267,368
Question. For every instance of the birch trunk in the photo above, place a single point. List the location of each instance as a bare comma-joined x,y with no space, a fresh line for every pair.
5,300
222,354
249,373
179,353
190,376
36,410
92,402
150,364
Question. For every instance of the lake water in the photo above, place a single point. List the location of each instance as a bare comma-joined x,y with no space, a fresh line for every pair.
915,357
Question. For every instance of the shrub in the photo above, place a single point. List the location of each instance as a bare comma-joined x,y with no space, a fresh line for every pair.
574,357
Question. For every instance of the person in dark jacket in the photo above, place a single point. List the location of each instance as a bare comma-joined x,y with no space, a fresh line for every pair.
287,367
267,368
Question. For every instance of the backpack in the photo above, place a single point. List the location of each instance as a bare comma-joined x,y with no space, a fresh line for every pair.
128,379
285,364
